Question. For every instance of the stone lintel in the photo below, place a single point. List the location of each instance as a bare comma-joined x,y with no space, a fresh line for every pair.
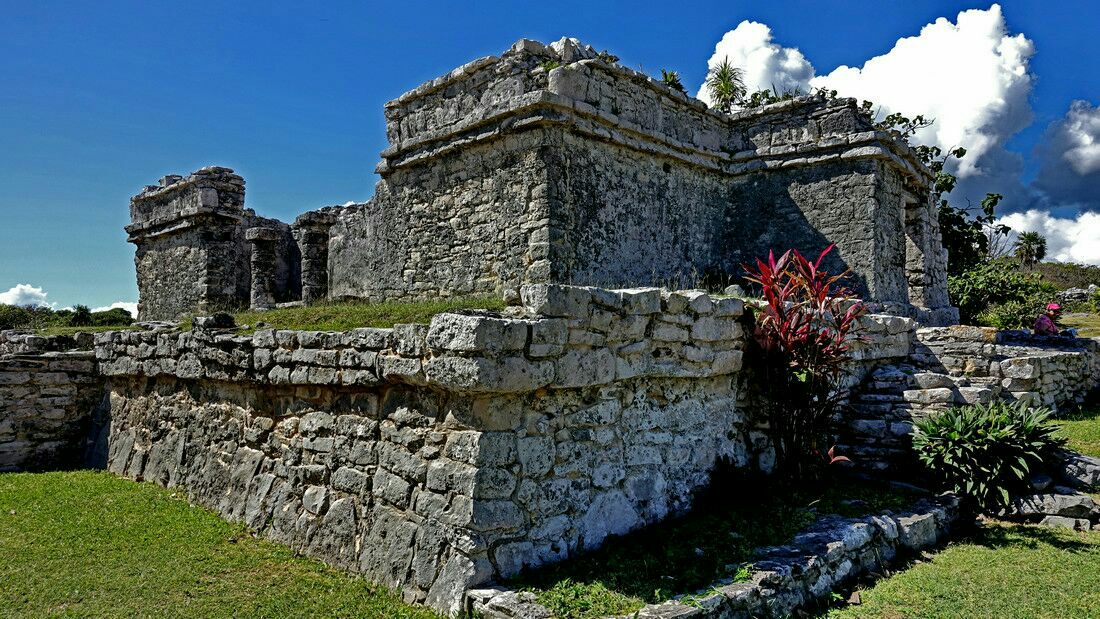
314,220
261,234
184,220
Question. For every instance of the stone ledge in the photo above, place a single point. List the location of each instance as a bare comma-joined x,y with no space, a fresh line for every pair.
563,82
545,108
832,552
565,337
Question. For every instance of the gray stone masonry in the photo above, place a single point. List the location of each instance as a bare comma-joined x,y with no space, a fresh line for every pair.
47,397
785,579
311,231
433,458
262,262
503,173
959,365
436,458
192,254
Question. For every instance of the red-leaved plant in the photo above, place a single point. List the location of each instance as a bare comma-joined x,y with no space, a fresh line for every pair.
803,334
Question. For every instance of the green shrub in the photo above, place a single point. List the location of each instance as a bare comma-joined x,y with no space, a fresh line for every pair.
985,452
1013,314
14,317
672,80
116,317
995,283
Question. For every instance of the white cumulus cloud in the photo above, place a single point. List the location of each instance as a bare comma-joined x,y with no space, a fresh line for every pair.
126,305
1080,135
1068,240
23,295
1069,155
766,65
970,75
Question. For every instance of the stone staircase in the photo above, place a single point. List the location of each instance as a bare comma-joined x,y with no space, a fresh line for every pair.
882,411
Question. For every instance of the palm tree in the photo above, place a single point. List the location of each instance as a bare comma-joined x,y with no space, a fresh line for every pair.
1030,247
726,86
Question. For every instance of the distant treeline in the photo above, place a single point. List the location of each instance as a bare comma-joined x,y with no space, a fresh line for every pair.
1064,275
25,317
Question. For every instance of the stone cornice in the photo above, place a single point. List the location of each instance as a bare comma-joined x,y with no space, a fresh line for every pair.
550,106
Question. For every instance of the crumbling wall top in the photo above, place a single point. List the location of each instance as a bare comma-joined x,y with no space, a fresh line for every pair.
210,190
566,82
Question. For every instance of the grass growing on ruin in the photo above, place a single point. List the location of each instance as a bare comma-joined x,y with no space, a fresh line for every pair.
87,544
74,330
714,541
345,315
1000,571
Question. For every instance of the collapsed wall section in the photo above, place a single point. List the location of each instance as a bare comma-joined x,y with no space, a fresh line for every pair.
436,457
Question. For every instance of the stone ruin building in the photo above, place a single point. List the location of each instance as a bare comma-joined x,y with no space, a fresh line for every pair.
510,170
442,459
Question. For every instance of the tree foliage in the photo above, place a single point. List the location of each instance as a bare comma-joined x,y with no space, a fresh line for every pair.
1030,248
997,282
31,317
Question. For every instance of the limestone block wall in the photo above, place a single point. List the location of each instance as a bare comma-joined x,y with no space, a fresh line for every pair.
46,404
437,457
961,365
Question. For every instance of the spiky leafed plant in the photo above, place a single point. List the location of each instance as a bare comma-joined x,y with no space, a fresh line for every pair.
672,80
803,335
726,85
1030,248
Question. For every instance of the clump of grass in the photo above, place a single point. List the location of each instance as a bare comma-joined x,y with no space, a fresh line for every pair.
715,541
346,315
48,331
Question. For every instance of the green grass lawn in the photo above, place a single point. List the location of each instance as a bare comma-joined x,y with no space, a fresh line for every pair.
1087,325
1002,571
88,544
1081,429
345,315
690,553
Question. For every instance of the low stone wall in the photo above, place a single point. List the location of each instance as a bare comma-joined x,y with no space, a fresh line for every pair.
951,366
46,405
785,579
433,458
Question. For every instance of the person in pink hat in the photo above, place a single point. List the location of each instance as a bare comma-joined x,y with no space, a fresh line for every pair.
1047,323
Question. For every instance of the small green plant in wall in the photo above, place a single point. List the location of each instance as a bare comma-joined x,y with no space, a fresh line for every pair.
672,80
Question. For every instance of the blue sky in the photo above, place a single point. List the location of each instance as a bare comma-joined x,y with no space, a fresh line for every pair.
99,99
